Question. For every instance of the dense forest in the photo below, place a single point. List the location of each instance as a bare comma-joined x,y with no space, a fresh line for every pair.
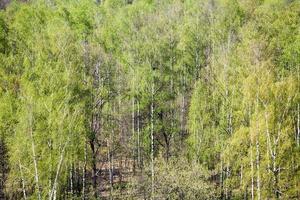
150,99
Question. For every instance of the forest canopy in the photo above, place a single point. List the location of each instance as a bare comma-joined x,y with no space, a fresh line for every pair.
150,99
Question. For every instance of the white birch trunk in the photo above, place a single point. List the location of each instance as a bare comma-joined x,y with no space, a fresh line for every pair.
138,134
221,177
257,153
36,173
152,140
23,181
110,171
133,134
298,125
258,168
252,171
84,171
71,180
241,175
226,186
251,160
54,187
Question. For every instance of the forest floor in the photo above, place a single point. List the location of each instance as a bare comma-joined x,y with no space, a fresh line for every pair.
123,171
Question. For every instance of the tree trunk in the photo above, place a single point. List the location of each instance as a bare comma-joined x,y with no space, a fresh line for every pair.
257,153
84,172
71,180
3,166
298,125
94,167
258,168
23,181
36,173
133,135
252,171
54,187
152,141
138,135
110,170
221,179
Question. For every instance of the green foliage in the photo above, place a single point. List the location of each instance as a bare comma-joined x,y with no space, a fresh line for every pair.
177,179
215,81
